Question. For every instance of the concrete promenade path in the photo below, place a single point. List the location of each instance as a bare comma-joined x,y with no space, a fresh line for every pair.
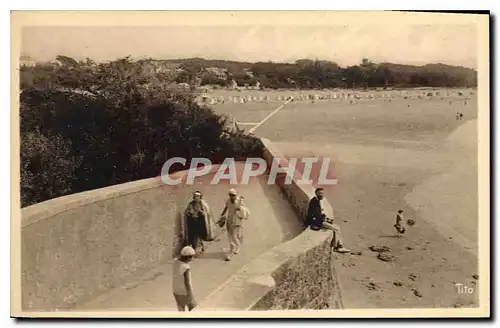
272,221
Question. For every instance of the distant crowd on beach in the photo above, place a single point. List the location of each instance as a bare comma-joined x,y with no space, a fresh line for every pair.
351,96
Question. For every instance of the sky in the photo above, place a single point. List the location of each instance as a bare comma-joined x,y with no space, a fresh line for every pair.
344,44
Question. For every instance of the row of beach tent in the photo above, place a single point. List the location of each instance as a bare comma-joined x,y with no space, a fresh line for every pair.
413,94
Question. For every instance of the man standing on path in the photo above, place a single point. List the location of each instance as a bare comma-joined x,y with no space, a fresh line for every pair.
317,219
232,216
181,280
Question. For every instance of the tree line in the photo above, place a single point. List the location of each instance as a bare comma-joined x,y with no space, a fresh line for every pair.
85,125
319,74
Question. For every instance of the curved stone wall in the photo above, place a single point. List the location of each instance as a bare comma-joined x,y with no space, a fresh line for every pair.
81,245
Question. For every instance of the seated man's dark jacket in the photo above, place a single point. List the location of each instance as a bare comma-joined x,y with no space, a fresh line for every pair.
314,217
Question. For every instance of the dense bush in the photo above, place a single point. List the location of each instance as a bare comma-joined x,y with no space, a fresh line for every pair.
87,127
209,79
244,79
47,167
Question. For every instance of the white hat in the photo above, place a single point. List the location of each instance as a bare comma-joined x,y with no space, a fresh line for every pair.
188,251
232,191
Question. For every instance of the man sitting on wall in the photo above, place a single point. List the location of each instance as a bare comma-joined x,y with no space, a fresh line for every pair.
316,219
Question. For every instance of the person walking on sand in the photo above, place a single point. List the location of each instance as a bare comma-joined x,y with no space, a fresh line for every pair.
399,224
232,217
197,219
316,219
181,280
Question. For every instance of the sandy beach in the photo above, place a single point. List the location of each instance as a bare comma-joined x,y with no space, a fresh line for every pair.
407,154
438,189
449,200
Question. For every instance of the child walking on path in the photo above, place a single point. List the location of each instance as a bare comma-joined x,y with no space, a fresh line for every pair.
181,280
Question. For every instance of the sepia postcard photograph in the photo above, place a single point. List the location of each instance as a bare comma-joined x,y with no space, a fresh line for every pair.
257,164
